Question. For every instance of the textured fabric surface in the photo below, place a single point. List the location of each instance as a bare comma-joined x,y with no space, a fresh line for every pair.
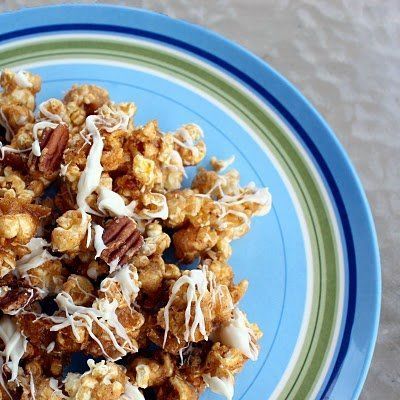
344,56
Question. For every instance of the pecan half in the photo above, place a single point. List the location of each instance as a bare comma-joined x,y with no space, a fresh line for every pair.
52,144
17,295
122,239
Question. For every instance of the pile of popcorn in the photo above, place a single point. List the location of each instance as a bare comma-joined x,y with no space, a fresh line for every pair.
89,204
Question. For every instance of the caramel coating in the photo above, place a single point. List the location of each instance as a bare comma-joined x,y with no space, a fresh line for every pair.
71,231
105,275
103,381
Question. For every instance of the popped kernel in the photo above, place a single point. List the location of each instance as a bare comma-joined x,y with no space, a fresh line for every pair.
71,231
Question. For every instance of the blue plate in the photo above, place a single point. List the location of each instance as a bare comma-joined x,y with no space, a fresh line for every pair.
313,263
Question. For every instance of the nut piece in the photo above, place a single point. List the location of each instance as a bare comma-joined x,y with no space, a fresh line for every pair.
15,161
122,239
16,295
53,144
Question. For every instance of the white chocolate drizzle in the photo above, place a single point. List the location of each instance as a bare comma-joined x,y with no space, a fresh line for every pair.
64,169
222,386
197,282
38,255
49,115
187,142
132,392
239,335
53,383
224,164
113,203
15,344
31,292
98,240
176,163
114,265
50,347
40,126
259,196
32,386
128,281
22,79
90,177
161,204
102,313
8,149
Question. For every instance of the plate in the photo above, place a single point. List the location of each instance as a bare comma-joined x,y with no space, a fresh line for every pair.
313,262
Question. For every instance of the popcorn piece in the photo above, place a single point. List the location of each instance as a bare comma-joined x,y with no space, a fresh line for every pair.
53,110
154,206
188,143
82,101
224,276
145,372
156,241
173,171
182,205
102,381
49,276
177,389
12,185
112,329
122,285
71,231
190,311
17,100
7,261
37,330
80,289
151,273
22,227
35,385
143,169
19,220
224,361
113,156
191,242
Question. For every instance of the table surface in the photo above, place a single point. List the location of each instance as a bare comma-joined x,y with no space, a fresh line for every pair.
344,56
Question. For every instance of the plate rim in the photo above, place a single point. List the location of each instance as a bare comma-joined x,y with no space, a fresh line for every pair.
298,96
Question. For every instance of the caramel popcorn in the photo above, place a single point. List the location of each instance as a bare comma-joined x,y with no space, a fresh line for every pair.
82,101
102,381
17,100
12,185
145,372
97,226
80,289
71,230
